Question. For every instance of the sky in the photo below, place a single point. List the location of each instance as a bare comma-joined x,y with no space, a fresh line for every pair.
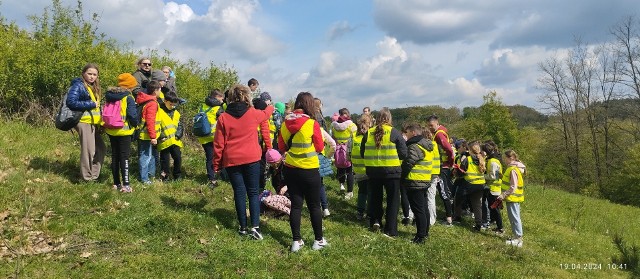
357,53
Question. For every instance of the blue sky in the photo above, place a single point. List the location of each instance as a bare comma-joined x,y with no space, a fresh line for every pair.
360,53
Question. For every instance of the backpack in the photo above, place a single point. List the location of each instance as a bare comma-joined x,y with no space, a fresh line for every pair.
201,124
111,115
342,156
67,118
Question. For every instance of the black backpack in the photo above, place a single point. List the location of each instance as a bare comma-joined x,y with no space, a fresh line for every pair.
66,118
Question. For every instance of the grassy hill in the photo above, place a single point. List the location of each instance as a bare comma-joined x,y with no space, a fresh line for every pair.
52,226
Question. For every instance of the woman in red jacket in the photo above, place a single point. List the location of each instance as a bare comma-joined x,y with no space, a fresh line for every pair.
236,148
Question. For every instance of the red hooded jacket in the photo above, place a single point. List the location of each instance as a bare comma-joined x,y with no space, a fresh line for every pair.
149,112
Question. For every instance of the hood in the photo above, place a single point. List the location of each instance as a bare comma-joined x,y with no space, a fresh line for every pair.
420,140
144,97
165,108
343,118
212,102
237,110
77,81
341,126
116,93
520,165
442,128
145,73
294,121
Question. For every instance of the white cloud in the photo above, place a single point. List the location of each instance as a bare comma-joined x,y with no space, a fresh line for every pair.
339,29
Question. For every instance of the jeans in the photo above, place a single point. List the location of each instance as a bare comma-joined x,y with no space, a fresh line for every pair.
361,204
244,181
171,152
120,152
392,189
304,185
147,160
208,161
417,200
346,174
513,211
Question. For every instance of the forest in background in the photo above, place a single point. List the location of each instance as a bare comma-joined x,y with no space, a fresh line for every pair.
585,142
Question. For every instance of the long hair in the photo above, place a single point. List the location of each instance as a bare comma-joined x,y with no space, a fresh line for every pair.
384,117
512,154
491,149
95,87
476,150
364,123
239,94
305,102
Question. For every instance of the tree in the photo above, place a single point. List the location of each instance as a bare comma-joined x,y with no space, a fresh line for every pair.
492,120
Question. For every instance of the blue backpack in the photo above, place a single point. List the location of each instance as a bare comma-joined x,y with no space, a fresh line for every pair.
201,124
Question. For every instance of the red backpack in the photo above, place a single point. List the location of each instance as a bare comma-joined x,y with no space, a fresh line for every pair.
111,115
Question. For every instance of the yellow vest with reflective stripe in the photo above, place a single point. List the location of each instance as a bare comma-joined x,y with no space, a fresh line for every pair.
342,136
168,128
422,170
473,174
272,131
386,155
126,130
91,116
496,185
301,154
356,161
144,134
213,120
443,154
435,167
518,194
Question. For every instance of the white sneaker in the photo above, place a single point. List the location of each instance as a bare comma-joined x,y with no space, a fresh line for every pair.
297,245
342,187
326,212
517,242
317,245
348,196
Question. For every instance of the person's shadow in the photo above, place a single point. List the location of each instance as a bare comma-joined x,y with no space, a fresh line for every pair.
68,168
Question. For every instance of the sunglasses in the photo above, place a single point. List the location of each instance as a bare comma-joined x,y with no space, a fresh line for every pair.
146,64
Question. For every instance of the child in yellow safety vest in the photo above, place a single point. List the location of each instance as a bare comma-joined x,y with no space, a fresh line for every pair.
364,124
493,179
171,131
513,194
149,131
212,106
471,178
416,176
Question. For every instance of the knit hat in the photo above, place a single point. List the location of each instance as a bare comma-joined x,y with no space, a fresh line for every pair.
158,75
273,156
127,81
280,107
265,96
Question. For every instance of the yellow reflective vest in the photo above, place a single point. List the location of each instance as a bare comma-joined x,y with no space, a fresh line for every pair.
344,135
422,170
386,155
301,154
91,116
473,174
144,134
168,129
518,194
435,167
213,120
356,161
495,185
443,154
126,129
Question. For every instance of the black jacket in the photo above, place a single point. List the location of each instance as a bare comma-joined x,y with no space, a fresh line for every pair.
414,155
387,172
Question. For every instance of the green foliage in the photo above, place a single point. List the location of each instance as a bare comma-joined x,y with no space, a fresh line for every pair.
526,116
34,78
629,256
492,120
624,186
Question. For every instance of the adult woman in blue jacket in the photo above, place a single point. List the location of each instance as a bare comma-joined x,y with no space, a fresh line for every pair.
84,95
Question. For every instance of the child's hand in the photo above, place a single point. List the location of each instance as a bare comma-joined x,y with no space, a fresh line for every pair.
283,190
154,141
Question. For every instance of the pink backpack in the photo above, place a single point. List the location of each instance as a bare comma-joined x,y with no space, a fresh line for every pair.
111,115
342,156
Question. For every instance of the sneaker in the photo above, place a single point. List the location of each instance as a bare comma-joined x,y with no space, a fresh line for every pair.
319,244
342,187
375,227
484,226
148,182
418,240
360,216
326,212
477,228
498,231
348,196
116,187
126,189
213,184
389,236
297,245
243,231
517,242
406,221
446,223
256,234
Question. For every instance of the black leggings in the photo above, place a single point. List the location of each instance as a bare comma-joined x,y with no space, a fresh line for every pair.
175,154
304,184
120,150
208,154
495,213
392,188
346,174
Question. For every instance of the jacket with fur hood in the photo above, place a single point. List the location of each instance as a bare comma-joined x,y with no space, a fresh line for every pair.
414,155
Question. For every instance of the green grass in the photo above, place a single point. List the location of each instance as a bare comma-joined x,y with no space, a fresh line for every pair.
185,230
